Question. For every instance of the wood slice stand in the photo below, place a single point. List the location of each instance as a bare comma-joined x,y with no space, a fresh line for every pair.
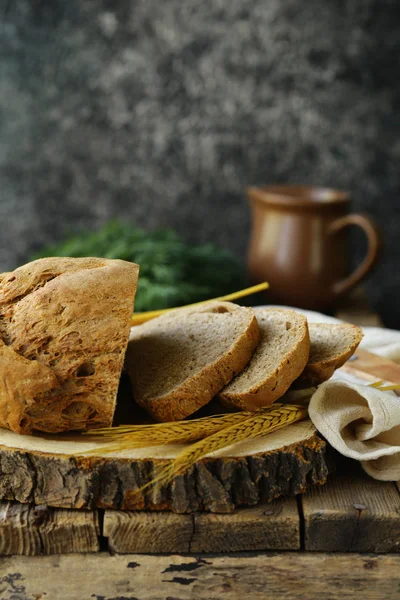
40,469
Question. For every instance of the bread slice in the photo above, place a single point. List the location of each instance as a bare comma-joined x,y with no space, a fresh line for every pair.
64,328
330,347
278,360
178,362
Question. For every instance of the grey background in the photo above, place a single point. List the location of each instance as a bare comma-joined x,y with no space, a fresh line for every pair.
162,111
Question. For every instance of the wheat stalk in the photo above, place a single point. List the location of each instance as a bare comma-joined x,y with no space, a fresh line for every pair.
376,384
382,387
127,437
142,317
159,434
260,423
178,432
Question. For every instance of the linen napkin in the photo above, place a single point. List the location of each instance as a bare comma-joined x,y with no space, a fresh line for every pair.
359,421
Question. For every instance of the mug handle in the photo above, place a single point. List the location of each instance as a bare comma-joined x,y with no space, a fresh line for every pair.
371,230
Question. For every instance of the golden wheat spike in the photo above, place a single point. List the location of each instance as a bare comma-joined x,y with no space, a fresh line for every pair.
260,423
159,434
382,387
389,388
127,437
187,425
142,317
376,384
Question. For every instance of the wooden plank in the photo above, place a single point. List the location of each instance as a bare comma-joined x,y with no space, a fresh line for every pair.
17,536
373,366
274,526
352,513
29,530
284,575
143,532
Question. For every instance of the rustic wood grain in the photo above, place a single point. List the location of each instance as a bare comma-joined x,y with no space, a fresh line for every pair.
275,526
30,530
352,513
285,575
147,532
218,484
19,533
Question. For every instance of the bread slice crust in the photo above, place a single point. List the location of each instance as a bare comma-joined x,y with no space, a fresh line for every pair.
270,372
331,346
168,343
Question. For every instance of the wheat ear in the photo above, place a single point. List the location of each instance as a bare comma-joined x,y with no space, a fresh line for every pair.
382,387
260,423
160,434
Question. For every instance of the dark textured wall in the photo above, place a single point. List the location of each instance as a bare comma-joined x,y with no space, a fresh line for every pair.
164,110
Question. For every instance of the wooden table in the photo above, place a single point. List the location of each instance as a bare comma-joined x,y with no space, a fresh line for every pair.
110,555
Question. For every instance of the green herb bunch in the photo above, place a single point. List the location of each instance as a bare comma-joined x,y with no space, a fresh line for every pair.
172,273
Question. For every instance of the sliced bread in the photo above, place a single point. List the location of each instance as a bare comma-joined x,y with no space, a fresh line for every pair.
331,346
64,328
178,362
278,360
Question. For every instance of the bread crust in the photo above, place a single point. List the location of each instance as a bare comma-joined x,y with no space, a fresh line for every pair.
319,371
64,328
278,382
200,388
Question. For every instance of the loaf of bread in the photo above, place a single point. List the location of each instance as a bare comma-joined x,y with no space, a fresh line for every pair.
64,328
178,362
280,357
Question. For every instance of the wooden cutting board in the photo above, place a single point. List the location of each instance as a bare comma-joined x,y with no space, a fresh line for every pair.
41,469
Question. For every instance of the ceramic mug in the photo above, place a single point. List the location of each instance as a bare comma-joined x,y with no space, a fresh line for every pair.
299,244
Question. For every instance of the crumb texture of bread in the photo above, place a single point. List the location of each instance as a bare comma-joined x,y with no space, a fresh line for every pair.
331,345
279,359
178,362
64,329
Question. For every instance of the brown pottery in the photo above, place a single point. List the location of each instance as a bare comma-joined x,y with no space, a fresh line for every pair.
299,244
